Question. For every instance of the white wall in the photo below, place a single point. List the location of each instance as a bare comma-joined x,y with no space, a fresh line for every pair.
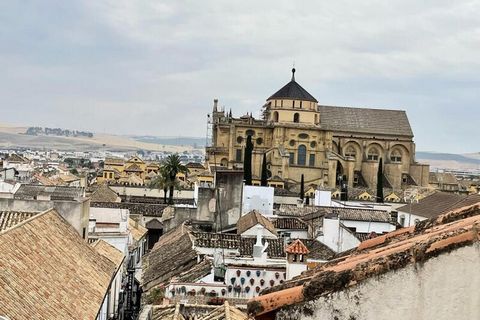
252,232
258,198
442,288
337,238
409,219
367,227
295,269
143,191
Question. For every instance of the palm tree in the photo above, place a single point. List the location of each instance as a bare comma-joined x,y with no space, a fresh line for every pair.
172,166
161,182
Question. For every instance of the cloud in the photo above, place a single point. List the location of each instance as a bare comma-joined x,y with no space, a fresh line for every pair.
149,67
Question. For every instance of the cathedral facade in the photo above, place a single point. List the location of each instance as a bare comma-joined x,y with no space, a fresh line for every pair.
327,144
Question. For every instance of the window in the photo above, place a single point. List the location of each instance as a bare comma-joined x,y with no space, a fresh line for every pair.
292,158
372,154
350,152
275,116
259,141
402,220
292,143
238,155
300,104
239,140
302,155
396,156
313,144
296,117
311,160
316,119
293,104
294,259
303,136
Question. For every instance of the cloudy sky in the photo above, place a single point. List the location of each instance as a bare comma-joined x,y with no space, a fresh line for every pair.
154,67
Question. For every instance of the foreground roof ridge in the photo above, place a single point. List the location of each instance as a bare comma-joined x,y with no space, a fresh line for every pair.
38,215
454,229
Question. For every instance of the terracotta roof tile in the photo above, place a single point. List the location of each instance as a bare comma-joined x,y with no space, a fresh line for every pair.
253,218
137,231
9,219
297,247
393,251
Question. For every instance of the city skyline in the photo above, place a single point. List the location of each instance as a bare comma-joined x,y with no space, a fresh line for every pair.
125,68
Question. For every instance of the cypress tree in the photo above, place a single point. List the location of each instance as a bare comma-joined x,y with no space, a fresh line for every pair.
263,182
302,188
380,182
247,162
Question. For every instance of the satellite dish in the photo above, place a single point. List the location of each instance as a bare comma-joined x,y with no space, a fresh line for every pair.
212,205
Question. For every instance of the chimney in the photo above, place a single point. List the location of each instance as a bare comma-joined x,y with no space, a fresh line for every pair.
259,249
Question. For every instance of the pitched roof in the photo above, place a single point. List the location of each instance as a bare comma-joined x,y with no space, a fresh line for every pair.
16,158
195,165
293,90
297,247
108,251
377,256
46,253
134,168
136,230
9,219
104,194
225,312
362,120
293,210
253,218
170,312
290,223
172,255
114,161
318,250
439,203
30,191
352,214
442,177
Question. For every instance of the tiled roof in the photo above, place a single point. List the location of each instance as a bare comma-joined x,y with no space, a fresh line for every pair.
49,272
196,273
136,230
109,252
16,158
114,161
172,255
134,168
353,214
297,247
9,219
377,256
318,250
438,203
30,191
362,120
170,312
293,90
225,312
275,247
104,194
253,218
195,165
292,210
442,177
146,209
290,223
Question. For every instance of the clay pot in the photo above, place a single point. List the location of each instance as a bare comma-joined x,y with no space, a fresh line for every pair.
247,289
277,275
252,281
257,289
258,273
272,282
239,273
249,273
262,282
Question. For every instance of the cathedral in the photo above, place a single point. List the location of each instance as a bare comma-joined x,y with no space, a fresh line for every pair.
329,145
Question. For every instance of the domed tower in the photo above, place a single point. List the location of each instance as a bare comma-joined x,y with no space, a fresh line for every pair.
293,104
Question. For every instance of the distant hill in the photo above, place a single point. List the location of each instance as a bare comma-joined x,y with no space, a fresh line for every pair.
194,142
449,160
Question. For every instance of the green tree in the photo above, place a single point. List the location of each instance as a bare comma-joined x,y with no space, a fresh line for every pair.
247,162
302,188
172,167
380,182
161,182
264,178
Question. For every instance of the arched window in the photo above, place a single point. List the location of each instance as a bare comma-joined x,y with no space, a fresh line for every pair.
373,154
396,156
316,119
302,155
275,116
350,152
224,162
296,117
